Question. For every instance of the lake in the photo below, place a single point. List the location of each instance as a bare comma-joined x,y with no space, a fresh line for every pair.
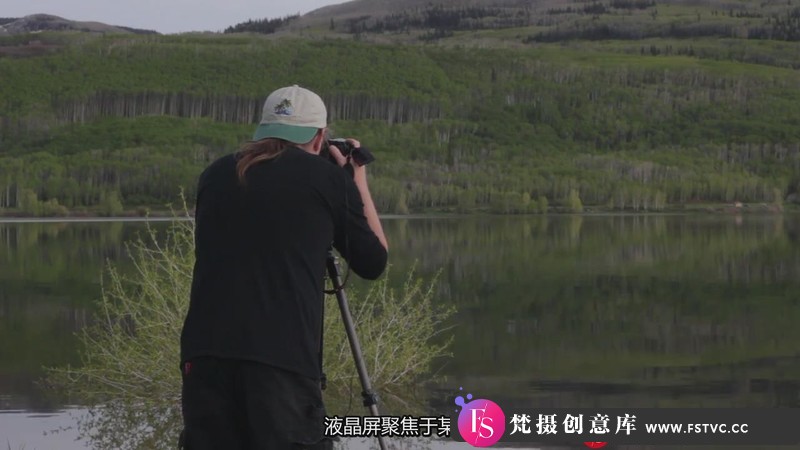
556,311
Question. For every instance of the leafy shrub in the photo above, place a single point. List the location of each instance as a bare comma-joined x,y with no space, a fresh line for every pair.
130,380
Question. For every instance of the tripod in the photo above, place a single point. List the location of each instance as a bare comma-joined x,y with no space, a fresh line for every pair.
370,397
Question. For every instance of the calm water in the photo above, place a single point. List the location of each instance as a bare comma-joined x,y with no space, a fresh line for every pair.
568,311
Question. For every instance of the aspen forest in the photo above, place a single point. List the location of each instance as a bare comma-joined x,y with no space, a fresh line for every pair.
685,105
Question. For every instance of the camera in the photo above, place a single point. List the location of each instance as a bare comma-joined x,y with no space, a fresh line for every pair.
360,155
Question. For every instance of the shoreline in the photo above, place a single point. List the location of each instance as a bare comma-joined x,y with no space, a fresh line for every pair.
712,209
87,219
431,215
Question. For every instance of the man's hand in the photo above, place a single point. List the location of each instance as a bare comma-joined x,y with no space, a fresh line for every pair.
359,172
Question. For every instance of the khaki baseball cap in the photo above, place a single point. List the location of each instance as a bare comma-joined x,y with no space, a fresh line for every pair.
293,114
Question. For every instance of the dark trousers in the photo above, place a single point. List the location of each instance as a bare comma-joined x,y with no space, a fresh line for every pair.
233,404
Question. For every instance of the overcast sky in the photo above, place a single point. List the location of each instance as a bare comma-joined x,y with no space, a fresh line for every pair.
164,16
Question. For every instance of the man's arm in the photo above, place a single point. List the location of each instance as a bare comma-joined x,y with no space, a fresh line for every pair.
362,242
360,178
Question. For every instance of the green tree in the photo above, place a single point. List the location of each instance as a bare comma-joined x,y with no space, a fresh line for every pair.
574,203
401,207
110,204
542,204
29,203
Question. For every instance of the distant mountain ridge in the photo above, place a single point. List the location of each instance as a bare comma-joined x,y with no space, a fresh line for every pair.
545,21
539,21
46,22
350,16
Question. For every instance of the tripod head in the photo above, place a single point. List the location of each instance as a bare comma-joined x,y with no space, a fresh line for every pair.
333,263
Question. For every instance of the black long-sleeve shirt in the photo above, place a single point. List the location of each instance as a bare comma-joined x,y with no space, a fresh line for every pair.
257,288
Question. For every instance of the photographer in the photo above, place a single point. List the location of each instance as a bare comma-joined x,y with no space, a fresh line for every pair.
265,219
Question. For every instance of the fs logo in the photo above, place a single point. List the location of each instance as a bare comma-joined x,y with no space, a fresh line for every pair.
481,422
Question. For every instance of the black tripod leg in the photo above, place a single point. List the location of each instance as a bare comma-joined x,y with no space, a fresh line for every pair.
370,398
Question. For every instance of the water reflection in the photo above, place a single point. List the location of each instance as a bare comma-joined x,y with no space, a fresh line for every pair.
50,276
655,310
621,310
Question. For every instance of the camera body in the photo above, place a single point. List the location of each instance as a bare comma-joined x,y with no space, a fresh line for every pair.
360,155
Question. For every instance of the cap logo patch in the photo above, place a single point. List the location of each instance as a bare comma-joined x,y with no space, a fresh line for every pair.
284,108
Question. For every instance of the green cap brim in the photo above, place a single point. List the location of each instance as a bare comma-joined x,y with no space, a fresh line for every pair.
291,133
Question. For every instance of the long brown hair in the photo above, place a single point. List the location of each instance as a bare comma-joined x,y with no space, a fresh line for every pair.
253,153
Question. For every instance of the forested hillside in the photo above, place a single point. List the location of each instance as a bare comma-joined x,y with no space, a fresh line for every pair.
491,118
557,20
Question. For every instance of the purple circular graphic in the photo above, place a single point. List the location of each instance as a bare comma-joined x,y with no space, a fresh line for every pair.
481,423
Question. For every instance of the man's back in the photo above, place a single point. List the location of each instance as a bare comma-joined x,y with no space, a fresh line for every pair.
261,249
